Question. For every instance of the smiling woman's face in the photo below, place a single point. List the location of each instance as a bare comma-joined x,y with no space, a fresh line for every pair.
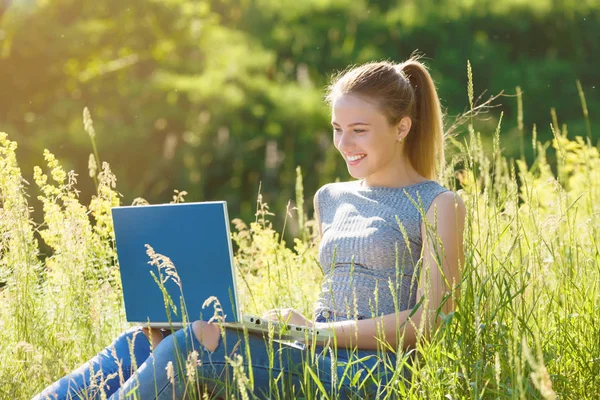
366,140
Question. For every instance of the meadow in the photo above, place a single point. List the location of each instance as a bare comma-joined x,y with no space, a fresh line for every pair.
526,325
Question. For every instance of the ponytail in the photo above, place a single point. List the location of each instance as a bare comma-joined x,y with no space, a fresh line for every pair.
425,142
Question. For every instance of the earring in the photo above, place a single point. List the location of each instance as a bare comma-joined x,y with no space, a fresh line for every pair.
400,139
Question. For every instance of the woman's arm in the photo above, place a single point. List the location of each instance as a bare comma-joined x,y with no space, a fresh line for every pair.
440,273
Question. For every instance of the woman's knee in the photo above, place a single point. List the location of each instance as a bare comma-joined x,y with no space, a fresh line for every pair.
208,334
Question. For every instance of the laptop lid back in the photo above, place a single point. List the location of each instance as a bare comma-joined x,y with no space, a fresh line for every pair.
196,237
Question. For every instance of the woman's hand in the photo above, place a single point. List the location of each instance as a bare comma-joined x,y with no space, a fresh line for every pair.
288,316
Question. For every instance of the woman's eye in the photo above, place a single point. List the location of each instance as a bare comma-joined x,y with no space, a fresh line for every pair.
357,131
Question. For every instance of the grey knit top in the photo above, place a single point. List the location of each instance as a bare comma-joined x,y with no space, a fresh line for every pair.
370,250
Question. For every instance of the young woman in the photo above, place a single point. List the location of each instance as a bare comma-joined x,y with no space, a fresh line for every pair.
391,247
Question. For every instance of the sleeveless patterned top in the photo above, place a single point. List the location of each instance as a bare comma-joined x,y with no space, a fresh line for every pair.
370,250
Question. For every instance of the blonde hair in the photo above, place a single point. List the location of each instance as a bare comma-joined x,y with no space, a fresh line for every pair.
401,90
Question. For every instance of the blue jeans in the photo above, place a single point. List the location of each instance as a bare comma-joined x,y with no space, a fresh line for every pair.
278,369
105,372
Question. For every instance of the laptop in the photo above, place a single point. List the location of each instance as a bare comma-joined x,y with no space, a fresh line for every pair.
197,239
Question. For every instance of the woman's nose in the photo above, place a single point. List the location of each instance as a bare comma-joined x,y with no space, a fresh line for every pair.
344,142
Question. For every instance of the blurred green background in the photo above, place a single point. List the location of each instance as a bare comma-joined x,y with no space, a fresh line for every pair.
213,97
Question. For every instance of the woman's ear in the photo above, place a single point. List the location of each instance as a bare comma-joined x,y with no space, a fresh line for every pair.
403,128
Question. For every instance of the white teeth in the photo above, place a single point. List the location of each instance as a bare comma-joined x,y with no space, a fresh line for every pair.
354,158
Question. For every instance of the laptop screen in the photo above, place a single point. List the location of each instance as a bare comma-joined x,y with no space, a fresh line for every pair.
196,237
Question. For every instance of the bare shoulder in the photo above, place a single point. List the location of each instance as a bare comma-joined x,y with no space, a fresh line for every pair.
448,206
446,222
449,199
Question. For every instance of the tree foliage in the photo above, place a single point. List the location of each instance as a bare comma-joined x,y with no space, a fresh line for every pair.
215,97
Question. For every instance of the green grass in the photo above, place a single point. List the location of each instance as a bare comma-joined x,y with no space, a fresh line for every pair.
526,324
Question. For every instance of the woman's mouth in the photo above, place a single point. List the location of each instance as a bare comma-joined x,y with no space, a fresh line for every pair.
355,159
